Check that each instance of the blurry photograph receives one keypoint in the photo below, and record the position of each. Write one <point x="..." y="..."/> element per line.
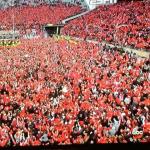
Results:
<point x="74" y="72"/>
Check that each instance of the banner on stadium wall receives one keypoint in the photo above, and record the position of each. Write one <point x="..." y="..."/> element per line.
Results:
<point x="8" y="35"/>
<point x="9" y="42"/>
<point x="67" y="38"/>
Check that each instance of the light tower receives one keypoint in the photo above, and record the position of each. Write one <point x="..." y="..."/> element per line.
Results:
<point x="13" y="20"/>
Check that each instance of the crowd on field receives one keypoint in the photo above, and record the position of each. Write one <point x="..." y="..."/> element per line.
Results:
<point x="60" y="92"/>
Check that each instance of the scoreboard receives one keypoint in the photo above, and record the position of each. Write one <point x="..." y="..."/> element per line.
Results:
<point x="102" y="2"/>
<point x="93" y="3"/>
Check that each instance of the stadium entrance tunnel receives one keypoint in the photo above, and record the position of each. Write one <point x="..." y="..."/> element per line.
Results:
<point x="50" y="29"/>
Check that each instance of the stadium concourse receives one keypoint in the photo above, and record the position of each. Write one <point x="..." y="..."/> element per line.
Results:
<point x="60" y="91"/>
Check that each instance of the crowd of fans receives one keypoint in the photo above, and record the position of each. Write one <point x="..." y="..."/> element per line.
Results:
<point x="62" y="92"/>
<point x="9" y="3"/>
<point x="27" y="18"/>
<point x="125" y="23"/>
<point x="58" y="91"/>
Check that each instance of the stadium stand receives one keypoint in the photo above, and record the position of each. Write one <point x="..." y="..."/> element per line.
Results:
<point x="124" y="23"/>
<point x="28" y="17"/>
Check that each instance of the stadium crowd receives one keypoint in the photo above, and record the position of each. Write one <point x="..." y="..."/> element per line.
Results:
<point x="125" y="23"/>
<point x="27" y="17"/>
<point x="9" y="3"/>
<point x="72" y="92"/>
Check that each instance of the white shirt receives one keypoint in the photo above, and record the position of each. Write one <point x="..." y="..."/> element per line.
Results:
<point x="127" y="100"/>
<point x="64" y="89"/>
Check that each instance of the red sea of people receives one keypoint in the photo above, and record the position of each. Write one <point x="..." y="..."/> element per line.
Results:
<point x="29" y="17"/>
<point x="54" y="91"/>
<point x="126" y="23"/>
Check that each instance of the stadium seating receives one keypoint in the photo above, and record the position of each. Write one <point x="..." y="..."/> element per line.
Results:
<point x="27" y="18"/>
<point x="124" y="24"/>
